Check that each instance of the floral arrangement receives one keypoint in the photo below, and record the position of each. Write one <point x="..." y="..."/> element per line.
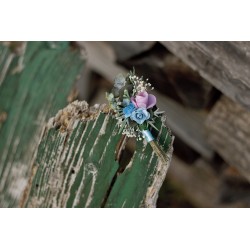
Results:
<point x="134" y="108"/>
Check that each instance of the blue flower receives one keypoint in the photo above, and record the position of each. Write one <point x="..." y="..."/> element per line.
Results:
<point x="127" y="111"/>
<point x="140" y="115"/>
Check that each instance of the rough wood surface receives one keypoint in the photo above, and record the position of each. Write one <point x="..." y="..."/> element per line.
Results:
<point x="205" y="187"/>
<point x="35" y="83"/>
<point x="77" y="163"/>
<point x="224" y="64"/>
<point x="188" y="124"/>
<point x="197" y="181"/>
<point x="173" y="77"/>
<point x="101" y="58"/>
<point x="128" y="49"/>
<point x="228" y="127"/>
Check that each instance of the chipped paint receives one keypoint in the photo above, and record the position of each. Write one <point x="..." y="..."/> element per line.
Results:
<point x="28" y="109"/>
<point x="91" y="168"/>
<point x="71" y="174"/>
<point x="158" y="178"/>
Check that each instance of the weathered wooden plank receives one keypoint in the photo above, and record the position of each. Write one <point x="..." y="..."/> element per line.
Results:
<point x="205" y="187"/>
<point x="128" y="49"/>
<point x="139" y="184"/>
<point x="77" y="163"/>
<point x="6" y="57"/>
<point x="197" y="181"/>
<point x="173" y="77"/>
<point x="101" y="59"/>
<point x="29" y="98"/>
<point x="224" y="64"/>
<point x="228" y="132"/>
<point x="188" y="124"/>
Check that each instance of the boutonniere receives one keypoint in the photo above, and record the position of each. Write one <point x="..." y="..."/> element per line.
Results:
<point x="135" y="109"/>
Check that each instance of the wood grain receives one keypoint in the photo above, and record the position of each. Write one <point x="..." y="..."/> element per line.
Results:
<point x="228" y="132"/>
<point x="186" y="123"/>
<point x="128" y="49"/>
<point x="32" y="90"/>
<point x="76" y="163"/>
<point x="224" y="64"/>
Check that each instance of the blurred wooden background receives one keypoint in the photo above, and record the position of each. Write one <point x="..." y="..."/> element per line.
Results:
<point x="204" y="88"/>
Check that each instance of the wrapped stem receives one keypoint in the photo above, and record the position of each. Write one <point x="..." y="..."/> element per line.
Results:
<point x="156" y="148"/>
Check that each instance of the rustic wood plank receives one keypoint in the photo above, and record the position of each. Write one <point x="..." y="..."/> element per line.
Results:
<point x="224" y="64"/>
<point x="77" y="163"/>
<point x="29" y="95"/>
<point x="173" y="77"/>
<point x="204" y="187"/>
<point x="228" y="132"/>
<point x="198" y="182"/>
<point x="128" y="49"/>
<point x="6" y="58"/>
<point x="188" y="124"/>
<point x="101" y="59"/>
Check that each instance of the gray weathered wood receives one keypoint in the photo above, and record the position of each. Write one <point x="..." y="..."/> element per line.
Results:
<point x="197" y="181"/>
<point x="101" y="59"/>
<point x="228" y="127"/>
<point x="128" y="49"/>
<point x="188" y="124"/>
<point x="224" y="64"/>
<point x="204" y="187"/>
<point x="173" y="77"/>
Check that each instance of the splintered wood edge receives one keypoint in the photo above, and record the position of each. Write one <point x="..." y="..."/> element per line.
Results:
<point x="162" y="169"/>
<point x="65" y="121"/>
<point x="77" y="110"/>
<point x="159" y="177"/>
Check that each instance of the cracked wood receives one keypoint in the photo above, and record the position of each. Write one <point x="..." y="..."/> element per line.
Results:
<point x="76" y="163"/>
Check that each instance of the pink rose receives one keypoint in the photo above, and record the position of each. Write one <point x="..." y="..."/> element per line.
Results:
<point x="144" y="100"/>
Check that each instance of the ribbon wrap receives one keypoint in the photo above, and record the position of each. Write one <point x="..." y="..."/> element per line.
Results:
<point x="148" y="136"/>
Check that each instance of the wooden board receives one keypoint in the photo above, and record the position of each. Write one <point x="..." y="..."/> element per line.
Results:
<point x="128" y="49"/>
<point x="197" y="181"/>
<point x="187" y="124"/>
<point x="224" y="64"/>
<point x="28" y="97"/>
<point x="101" y="59"/>
<point x="77" y="163"/>
<point x="228" y="127"/>
<point x="172" y="77"/>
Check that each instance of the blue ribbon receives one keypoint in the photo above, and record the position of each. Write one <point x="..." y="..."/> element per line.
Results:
<point x="148" y="136"/>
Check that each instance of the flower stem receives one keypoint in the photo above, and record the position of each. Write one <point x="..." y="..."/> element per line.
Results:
<point x="156" y="148"/>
